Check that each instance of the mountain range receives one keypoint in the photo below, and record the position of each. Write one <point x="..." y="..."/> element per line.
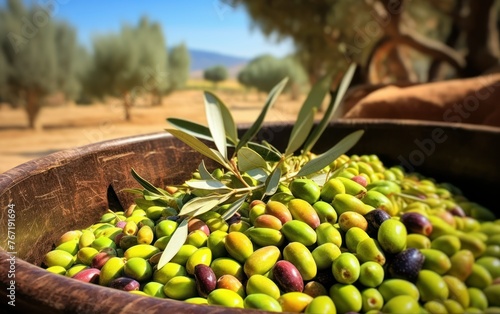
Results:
<point x="201" y="59"/>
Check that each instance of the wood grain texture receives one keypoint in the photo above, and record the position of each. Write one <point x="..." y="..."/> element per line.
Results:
<point x="72" y="189"/>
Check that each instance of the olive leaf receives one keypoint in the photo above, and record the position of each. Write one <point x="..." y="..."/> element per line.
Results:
<point x="214" y="185"/>
<point x="231" y="131"/>
<point x="148" y="186"/>
<point x="174" y="245"/>
<point x="258" y="174"/>
<point x="199" y="146"/>
<point x="305" y="118"/>
<point x="134" y="191"/>
<point x="248" y="159"/>
<point x="204" y="174"/>
<point x="323" y="160"/>
<point x="268" y="153"/>
<point x="191" y="128"/>
<point x="320" y="179"/>
<point x="200" y="205"/>
<point x="234" y="207"/>
<point x="271" y="99"/>
<point x="301" y="132"/>
<point x="216" y="123"/>
<point x="332" y="108"/>
<point x="206" y="208"/>
<point x="273" y="181"/>
<point x="143" y="203"/>
<point x="151" y="196"/>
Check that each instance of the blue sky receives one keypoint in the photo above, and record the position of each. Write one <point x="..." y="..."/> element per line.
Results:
<point x="202" y="24"/>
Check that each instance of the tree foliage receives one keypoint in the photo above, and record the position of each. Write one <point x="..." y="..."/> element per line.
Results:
<point x="215" y="74"/>
<point x="68" y="60"/>
<point x="38" y="54"/>
<point x="382" y="35"/>
<point x="178" y="66"/>
<point x="129" y="63"/>
<point x="264" y="72"/>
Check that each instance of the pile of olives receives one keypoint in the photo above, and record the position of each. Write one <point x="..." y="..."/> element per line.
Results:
<point x="371" y="239"/>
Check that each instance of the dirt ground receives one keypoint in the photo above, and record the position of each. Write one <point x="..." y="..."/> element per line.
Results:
<point x="72" y="126"/>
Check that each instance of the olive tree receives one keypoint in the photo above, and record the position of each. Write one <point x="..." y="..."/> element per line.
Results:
<point x="264" y="72"/>
<point x="215" y="74"/>
<point x="178" y="66"/>
<point x="128" y="64"/>
<point x="30" y="55"/>
<point x="376" y="33"/>
<point x="68" y="61"/>
<point x="39" y="57"/>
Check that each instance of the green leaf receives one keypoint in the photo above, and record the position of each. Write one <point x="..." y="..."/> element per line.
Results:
<point x="204" y="209"/>
<point x="204" y="174"/>
<point x="330" y="111"/>
<point x="268" y="153"/>
<point x="300" y="132"/>
<point x="150" y="196"/>
<point x="191" y="128"/>
<point x="148" y="186"/>
<point x="234" y="207"/>
<point x="174" y="245"/>
<point x="134" y="191"/>
<point x="216" y="123"/>
<point x="258" y="174"/>
<point x="320" y="178"/>
<point x="273" y="181"/>
<point x="199" y="146"/>
<point x="215" y="185"/>
<point x="248" y="159"/>
<point x="229" y="125"/>
<point x="323" y="160"/>
<point x="254" y="129"/>
<point x="144" y="204"/>
<point x="305" y="118"/>
<point x="201" y="204"/>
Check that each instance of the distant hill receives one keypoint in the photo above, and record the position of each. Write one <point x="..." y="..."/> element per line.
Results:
<point x="201" y="59"/>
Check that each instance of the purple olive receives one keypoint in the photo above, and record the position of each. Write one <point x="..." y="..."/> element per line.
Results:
<point x="325" y="277"/>
<point x="102" y="257"/>
<point x="118" y="238"/>
<point x="287" y="277"/>
<point x="90" y="275"/>
<point x="125" y="284"/>
<point x="375" y="218"/>
<point x="406" y="264"/>
<point x="234" y="218"/>
<point x="120" y="224"/>
<point x="206" y="281"/>
<point x="416" y="223"/>
<point x="458" y="211"/>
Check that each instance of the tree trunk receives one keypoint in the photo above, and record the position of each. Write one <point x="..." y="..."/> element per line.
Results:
<point x="32" y="108"/>
<point x="399" y="68"/>
<point x="156" y="97"/>
<point x="127" y="105"/>
<point x="396" y="34"/>
<point x="436" y="69"/>
<point x="375" y="59"/>
<point x="482" y="37"/>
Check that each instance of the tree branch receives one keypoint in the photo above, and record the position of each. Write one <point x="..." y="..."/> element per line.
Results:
<point x="432" y="48"/>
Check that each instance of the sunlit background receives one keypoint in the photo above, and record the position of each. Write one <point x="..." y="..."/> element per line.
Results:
<point x="74" y="72"/>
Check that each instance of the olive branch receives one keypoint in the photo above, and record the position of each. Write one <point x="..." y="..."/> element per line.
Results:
<point x="252" y="169"/>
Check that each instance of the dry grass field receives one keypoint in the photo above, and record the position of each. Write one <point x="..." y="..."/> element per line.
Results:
<point x="69" y="126"/>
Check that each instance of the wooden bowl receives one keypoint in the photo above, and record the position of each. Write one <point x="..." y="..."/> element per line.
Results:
<point x="71" y="189"/>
